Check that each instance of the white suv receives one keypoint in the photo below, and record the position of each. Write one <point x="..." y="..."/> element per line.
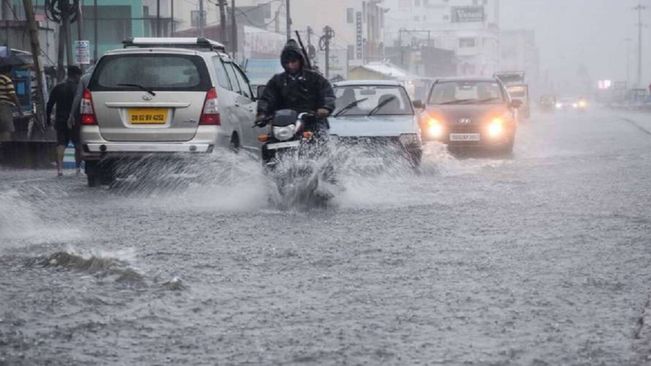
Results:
<point x="162" y="95"/>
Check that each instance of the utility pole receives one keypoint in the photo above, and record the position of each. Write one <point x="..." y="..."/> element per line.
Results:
<point x="172" y="18"/>
<point x="158" y="18"/>
<point x="324" y="45"/>
<point x="628" y="62"/>
<point x="233" y="29"/>
<point x="289" y="20"/>
<point x="402" y="52"/>
<point x="640" y="25"/>
<point x="63" y="12"/>
<point x="201" y="18"/>
<point x="222" y="21"/>
<point x="80" y="28"/>
<point x="95" y="31"/>
<point x="5" y="17"/>
<point x="36" y="51"/>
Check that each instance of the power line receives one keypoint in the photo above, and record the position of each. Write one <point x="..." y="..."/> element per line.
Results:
<point x="265" y="25"/>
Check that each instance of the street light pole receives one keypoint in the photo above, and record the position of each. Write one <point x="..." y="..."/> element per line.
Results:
<point x="158" y="18"/>
<point x="201" y="18"/>
<point x="95" y="30"/>
<point x="289" y="20"/>
<point x="233" y="29"/>
<point x="628" y="61"/>
<point x="639" y="9"/>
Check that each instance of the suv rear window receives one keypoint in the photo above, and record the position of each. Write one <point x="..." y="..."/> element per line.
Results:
<point x="153" y="71"/>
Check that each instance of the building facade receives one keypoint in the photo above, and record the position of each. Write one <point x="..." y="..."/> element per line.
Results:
<point x="470" y="28"/>
<point x="519" y="52"/>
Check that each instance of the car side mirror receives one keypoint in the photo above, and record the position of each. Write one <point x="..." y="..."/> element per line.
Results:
<point x="516" y="104"/>
<point x="418" y="104"/>
<point x="259" y="91"/>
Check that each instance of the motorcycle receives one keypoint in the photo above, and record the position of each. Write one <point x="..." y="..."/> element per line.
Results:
<point x="296" y="159"/>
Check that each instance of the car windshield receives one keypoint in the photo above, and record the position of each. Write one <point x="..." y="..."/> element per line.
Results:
<point x="381" y="100"/>
<point x="466" y="92"/>
<point x="517" y="91"/>
<point x="151" y="71"/>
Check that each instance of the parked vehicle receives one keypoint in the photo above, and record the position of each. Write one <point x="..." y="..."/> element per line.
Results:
<point x="376" y="115"/>
<point x="471" y="113"/>
<point x="547" y="103"/>
<point x="515" y="84"/>
<point x="161" y="96"/>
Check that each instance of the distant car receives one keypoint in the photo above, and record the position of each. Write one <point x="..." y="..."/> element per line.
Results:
<point x="547" y="103"/>
<point x="572" y="104"/>
<point x="470" y="113"/>
<point x="374" y="115"/>
<point x="159" y="96"/>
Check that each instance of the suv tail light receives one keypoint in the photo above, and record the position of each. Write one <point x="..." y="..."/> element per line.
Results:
<point x="86" y="109"/>
<point x="210" y="112"/>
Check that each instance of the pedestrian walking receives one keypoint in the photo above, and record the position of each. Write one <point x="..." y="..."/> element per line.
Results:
<point x="8" y="101"/>
<point x="63" y="96"/>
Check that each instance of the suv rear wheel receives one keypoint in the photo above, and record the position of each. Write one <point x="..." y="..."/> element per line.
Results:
<point x="100" y="172"/>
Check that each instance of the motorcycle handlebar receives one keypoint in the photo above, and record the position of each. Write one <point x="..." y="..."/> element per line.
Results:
<point x="301" y="116"/>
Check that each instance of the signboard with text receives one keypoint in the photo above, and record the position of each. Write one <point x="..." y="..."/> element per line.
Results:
<point x="82" y="52"/>
<point x="468" y="14"/>
<point x="359" y="36"/>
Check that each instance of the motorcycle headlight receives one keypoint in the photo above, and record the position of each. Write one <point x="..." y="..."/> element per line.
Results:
<point x="284" y="133"/>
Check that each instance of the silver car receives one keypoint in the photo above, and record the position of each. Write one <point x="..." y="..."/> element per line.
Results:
<point x="378" y="116"/>
<point x="162" y="96"/>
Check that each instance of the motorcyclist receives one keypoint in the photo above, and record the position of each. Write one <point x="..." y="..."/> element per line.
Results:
<point x="297" y="88"/>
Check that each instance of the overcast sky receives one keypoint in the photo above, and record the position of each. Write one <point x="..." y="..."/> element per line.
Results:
<point x="571" y="32"/>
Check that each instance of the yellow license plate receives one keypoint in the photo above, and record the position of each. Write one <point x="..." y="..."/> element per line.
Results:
<point x="148" y="116"/>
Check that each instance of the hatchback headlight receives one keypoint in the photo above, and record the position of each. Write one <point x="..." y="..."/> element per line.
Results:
<point x="434" y="128"/>
<point x="284" y="133"/>
<point x="496" y="127"/>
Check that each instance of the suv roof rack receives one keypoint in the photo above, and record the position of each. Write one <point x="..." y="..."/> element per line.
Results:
<point x="175" y="42"/>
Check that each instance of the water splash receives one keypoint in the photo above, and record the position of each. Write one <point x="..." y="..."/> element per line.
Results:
<point x="117" y="264"/>
<point x="221" y="181"/>
<point x="21" y="221"/>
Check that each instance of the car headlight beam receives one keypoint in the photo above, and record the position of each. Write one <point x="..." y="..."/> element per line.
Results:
<point x="434" y="128"/>
<point x="496" y="128"/>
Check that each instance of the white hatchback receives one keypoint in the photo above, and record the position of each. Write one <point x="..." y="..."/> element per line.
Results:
<point x="376" y="115"/>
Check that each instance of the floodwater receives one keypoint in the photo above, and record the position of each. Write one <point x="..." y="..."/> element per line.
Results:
<point x="538" y="259"/>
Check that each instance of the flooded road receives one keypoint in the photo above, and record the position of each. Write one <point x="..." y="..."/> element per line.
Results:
<point x="540" y="259"/>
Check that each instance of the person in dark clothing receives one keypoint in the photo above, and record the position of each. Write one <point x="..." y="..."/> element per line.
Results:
<point x="63" y="96"/>
<point x="297" y="88"/>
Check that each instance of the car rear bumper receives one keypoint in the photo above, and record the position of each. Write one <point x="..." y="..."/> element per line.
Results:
<point x="95" y="147"/>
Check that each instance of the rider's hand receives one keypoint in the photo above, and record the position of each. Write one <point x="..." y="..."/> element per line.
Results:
<point x="322" y="113"/>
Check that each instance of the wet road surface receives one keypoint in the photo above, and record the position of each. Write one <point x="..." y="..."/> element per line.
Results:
<point x="540" y="259"/>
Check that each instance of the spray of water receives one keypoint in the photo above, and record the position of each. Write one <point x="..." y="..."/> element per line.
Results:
<point x="220" y="181"/>
<point x="20" y="222"/>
